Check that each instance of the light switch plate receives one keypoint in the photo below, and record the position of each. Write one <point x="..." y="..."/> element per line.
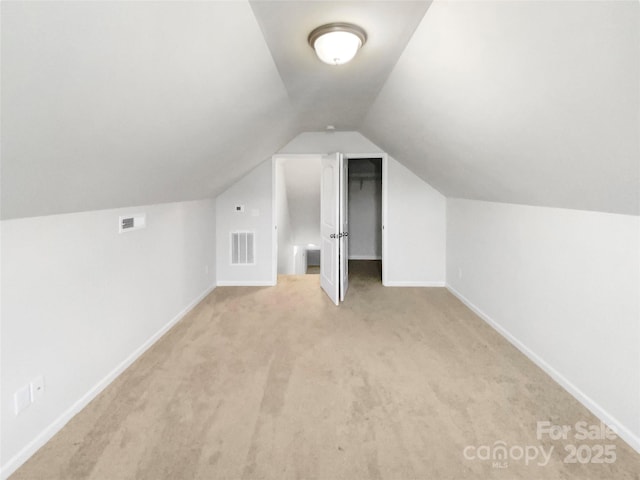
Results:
<point x="22" y="399"/>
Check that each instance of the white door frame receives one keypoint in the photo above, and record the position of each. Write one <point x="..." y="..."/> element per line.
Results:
<point x="385" y="171"/>
<point x="343" y="222"/>
<point x="274" y="222"/>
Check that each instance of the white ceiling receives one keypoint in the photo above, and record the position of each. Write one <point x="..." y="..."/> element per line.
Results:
<point x="520" y="102"/>
<point x="109" y="104"/>
<point x="342" y="95"/>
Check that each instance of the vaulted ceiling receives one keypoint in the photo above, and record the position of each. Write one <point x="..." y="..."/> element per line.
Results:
<point x="339" y="96"/>
<point x="521" y="102"/>
<point x="109" y="104"/>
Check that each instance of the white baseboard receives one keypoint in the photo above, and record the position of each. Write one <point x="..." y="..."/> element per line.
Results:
<point x="413" y="284"/>
<point x="32" y="447"/>
<point x="245" y="283"/>
<point x="623" y="432"/>
<point x="365" y="257"/>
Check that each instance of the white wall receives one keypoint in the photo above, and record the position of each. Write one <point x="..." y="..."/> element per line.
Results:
<point x="365" y="210"/>
<point x="283" y="222"/>
<point x="255" y="192"/>
<point x="330" y="142"/>
<point x="564" y="286"/>
<point x="80" y="301"/>
<point x="302" y="176"/>
<point x="415" y="250"/>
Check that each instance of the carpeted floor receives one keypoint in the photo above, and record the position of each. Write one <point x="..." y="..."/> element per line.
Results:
<point x="277" y="383"/>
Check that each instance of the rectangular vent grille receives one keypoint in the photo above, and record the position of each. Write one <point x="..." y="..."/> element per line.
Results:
<point x="129" y="223"/>
<point x="243" y="248"/>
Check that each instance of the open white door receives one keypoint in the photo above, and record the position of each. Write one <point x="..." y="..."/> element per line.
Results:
<point x="344" y="227"/>
<point x="330" y="226"/>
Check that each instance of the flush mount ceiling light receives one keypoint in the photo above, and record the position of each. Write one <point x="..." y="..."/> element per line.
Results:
<point x="337" y="43"/>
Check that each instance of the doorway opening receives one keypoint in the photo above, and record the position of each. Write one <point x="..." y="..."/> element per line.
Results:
<point x="313" y="261"/>
<point x="329" y="215"/>
<point x="297" y="214"/>
<point x="336" y="222"/>
<point x="365" y="219"/>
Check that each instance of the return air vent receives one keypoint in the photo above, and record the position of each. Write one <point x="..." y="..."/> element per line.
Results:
<point x="132" y="222"/>
<point x="128" y="223"/>
<point x="243" y="248"/>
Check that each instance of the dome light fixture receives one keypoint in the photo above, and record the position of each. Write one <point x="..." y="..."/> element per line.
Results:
<point x="337" y="43"/>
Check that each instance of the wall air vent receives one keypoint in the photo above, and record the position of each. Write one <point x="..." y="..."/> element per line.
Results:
<point x="243" y="248"/>
<point x="128" y="223"/>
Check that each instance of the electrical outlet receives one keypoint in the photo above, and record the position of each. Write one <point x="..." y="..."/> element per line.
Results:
<point x="206" y="269"/>
<point x="22" y="399"/>
<point x="37" y="388"/>
<point x="460" y="272"/>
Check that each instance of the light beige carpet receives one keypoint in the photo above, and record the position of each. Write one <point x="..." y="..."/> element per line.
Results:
<point x="278" y="383"/>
